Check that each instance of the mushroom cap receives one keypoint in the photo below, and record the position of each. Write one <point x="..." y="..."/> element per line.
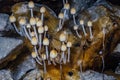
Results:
<point x="37" y="19"/>
<point x="34" y="41"/>
<point x="41" y="30"/>
<point x="61" y="15"/>
<point x="75" y="27"/>
<point x="39" y="23"/>
<point x="46" y="28"/>
<point x="22" y="21"/>
<point x="73" y="11"/>
<point x="43" y="56"/>
<point x="42" y="9"/>
<point x="69" y="44"/>
<point x="32" y="21"/>
<point x="89" y="23"/>
<point x="53" y="53"/>
<point x="12" y="19"/>
<point x="28" y="26"/>
<point x="67" y="6"/>
<point x="31" y="4"/>
<point x="62" y="37"/>
<point x="63" y="47"/>
<point x="45" y="41"/>
<point x="33" y="54"/>
<point x="81" y="22"/>
<point x="32" y="34"/>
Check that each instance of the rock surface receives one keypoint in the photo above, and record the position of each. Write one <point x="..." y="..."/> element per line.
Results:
<point x="8" y="49"/>
<point x="92" y="75"/>
<point x="5" y="75"/>
<point x="26" y="66"/>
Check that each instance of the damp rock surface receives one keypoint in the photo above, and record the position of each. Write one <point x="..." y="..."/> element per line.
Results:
<point x="92" y="75"/>
<point x="26" y="66"/>
<point x="5" y="75"/>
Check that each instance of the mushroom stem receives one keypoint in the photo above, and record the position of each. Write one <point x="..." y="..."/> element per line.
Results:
<point x="40" y="41"/>
<point x="74" y="19"/>
<point x="44" y="66"/>
<point x="46" y="48"/>
<point x="84" y="30"/>
<point x="42" y="17"/>
<point x="103" y="38"/>
<point x="45" y="34"/>
<point x="60" y="71"/>
<point x="34" y="27"/>
<point x="91" y="35"/>
<point x="68" y="54"/>
<point x="29" y="31"/>
<point x="78" y="34"/>
<point x="37" y="53"/>
<point x="31" y="12"/>
<point x="64" y="59"/>
<point x="103" y="63"/>
<point x="81" y="70"/>
<point x="60" y="24"/>
<point x="26" y="32"/>
<point x="38" y="61"/>
<point x="53" y="61"/>
<point x="16" y="29"/>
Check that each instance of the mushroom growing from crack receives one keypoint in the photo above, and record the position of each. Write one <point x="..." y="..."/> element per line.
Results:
<point x="33" y="23"/>
<point x="53" y="55"/>
<point x="82" y="24"/>
<point x="12" y="19"/>
<point x="76" y="30"/>
<point x="44" y="58"/>
<point x="69" y="45"/>
<point x="40" y="31"/>
<point x="42" y="11"/>
<point x="31" y="5"/>
<point x="89" y="24"/>
<point x="61" y="22"/>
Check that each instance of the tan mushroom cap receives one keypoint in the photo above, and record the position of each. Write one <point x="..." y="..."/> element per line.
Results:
<point x="32" y="21"/>
<point x="22" y="21"/>
<point x="67" y="6"/>
<point x="45" y="41"/>
<point x="63" y="47"/>
<point x="89" y="23"/>
<point x="39" y="23"/>
<point x="43" y="56"/>
<point x="69" y="44"/>
<point x="61" y="15"/>
<point x="81" y="22"/>
<point x="33" y="54"/>
<point x="42" y="9"/>
<point x="46" y="28"/>
<point x="73" y="11"/>
<point x="62" y="37"/>
<point x="12" y="19"/>
<point x="41" y="30"/>
<point x="53" y="53"/>
<point x="34" y="41"/>
<point x="31" y="4"/>
<point x="75" y="27"/>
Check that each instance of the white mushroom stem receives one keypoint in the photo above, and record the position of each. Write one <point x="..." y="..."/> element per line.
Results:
<point x="53" y="61"/>
<point x="78" y="34"/>
<point x="45" y="70"/>
<point x="103" y="63"/>
<point x="40" y="41"/>
<point x="91" y="34"/>
<point x="84" y="30"/>
<point x="26" y="32"/>
<point x="62" y="56"/>
<point x="80" y="63"/>
<point x="60" y="24"/>
<point x="42" y="17"/>
<point x="42" y="10"/>
<point x="61" y="21"/>
<point x="46" y="48"/>
<point x="31" y="12"/>
<point x="74" y="19"/>
<point x="38" y="61"/>
<point x="68" y="54"/>
<point x="65" y="59"/>
<point x="103" y="37"/>
<point x="14" y="25"/>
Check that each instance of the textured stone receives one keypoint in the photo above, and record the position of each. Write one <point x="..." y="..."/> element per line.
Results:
<point x="5" y="75"/>
<point x="23" y="68"/>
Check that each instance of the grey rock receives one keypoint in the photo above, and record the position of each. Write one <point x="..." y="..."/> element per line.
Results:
<point x="117" y="49"/>
<point x="5" y="25"/>
<point x="33" y="75"/>
<point x="22" y="69"/>
<point x="92" y="75"/>
<point x="8" y="49"/>
<point x="117" y="71"/>
<point x="5" y="75"/>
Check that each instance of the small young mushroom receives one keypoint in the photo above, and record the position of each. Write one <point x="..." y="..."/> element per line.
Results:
<point x="63" y="49"/>
<point x="34" y="42"/>
<point x="44" y="58"/>
<point x="53" y="55"/>
<point x="46" y="44"/>
<point x="33" y="23"/>
<point x="73" y="12"/>
<point x="61" y="17"/>
<point x="69" y="45"/>
<point x="46" y="29"/>
<point x="40" y="31"/>
<point x="90" y="29"/>
<point x="42" y="11"/>
<point x="103" y="62"/>
<point x="28" y="27"/>
<point x="82" y="24"/>
<point x="32" y="34"/>
<point x="34" y="55"/>
<point x="12" y="19"/>
<point x="31" y="5"/>
<point x="76" y="30"/>
<point x="62" y="37"/>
